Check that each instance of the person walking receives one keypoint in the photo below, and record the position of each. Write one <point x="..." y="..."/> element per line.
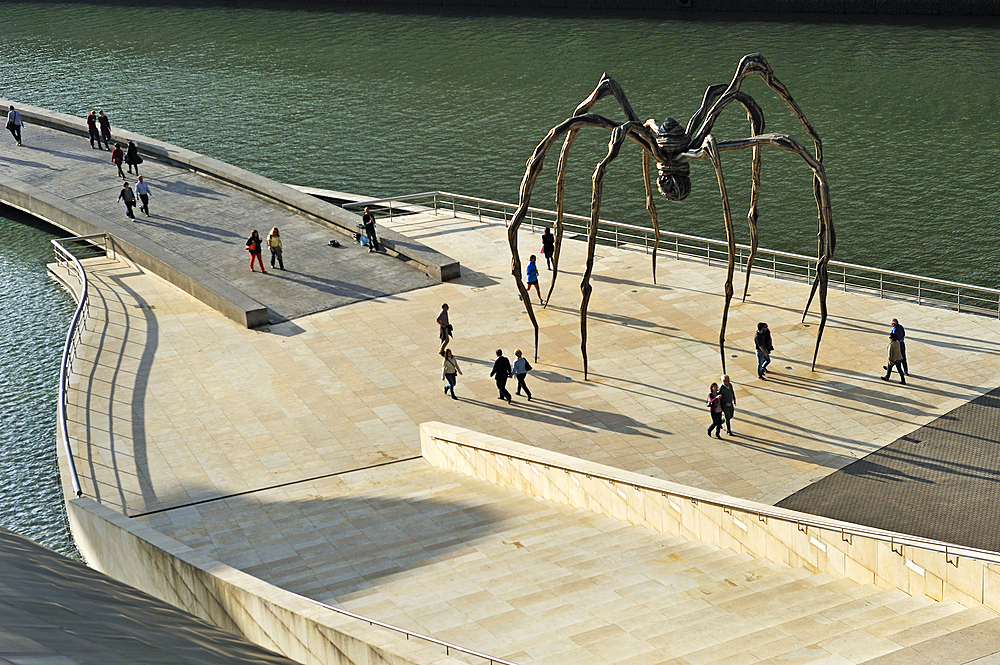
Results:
<point x="14" y="124"/>
<point x="368" y="219"/>
<point x="521" y="369"/>
<point x="531" y="272"/>
<point x="444" y="328"/>
<point x="142" y="191"/>
<point x="95" y="135"/>
<point x="762" y="343"/>
<point x="895" y="357"/>
<point x="501" y="372"/>
<point x="548" y="247"/>
<point x="727" y="393"/>
<point x="132" y="157"/>
<point x="128" y="198"/>
<point x="253" y="246"/>
<point x="449" y="372"/>
<point x="117" y="157"/>
<point x="715" y="408"/>
<point x="105" y="124"/>
<point x="274" y="244"/>
<point x="901" y="338"/>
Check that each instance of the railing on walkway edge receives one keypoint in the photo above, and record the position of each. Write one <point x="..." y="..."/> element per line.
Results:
<point x="846" y="276"/>
<point x="803" y="521"/>
<point x="448" y="646"/>
<point x="66" y="259"/>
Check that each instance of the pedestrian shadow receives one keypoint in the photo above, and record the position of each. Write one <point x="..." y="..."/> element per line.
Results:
<point x="587" y="420"/>
<point x="182" y="188"/>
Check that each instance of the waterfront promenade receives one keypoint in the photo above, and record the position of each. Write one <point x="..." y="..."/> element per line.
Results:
<point x="290" y="452"/>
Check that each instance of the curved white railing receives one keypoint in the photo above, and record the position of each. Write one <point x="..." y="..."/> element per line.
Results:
<point x="847" y="276"/>
<point x="66" y="260"/>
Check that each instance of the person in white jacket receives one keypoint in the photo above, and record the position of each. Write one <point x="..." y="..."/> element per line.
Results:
<point x="449" y="372"/>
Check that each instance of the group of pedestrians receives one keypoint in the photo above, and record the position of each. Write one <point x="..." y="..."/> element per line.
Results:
<point x="502" y="370"/>
<point x="254" y="244"/>
<point x="99" y="128"/>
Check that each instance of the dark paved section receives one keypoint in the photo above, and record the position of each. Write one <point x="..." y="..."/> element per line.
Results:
<point x="941" y="481"/>
<point x="206" y="222"/>
<point x="56" y="611"/>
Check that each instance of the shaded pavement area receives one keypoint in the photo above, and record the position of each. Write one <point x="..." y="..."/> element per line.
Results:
<point x="54" y="611"/>
<point x="938" y="482"/>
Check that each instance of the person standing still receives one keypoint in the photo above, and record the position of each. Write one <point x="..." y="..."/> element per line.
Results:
<point x="132" y="157"/>
<point x="444" y="328"/>
<point x="253" y="246"/>
<point x="128" y="198"/>
<point x="117" y="156"/>
<point x="142" y="191"/>
<point x="501" y="372"/>
<point x="14" y="124"/>
<point x="368" y="219"/>
<point x="521" y="369"/>
<point x="531" y="272"/>
<point x="715" y="409"/>
<point x="105" y="124"/>
<point x="895" y="358"/>
<point x="901" y="338"/>
<point x="274" y="244"/>
<point x="762" y="343"/>
<point x="548" y="247"/>
<point x="449" y="372"/>
<point x="727" y="393"/>
<point x="95" y="135"/>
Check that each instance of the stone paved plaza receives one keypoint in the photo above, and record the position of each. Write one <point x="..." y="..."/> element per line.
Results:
<point x="292" y="451"/>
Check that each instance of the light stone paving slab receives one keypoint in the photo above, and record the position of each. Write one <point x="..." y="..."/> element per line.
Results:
<point x="175" y="405"/>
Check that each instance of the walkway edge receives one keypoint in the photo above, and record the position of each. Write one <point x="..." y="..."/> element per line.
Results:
<point x="436" y="265"/>
<point x="168" y="265"/>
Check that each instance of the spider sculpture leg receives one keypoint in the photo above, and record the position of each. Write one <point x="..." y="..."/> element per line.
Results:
<point x="754" y="64"/>
<point x="532" y="168"/>
<point x="606" y="86"/>
<point x="711" y="150"/>
<point x="642" y="135"/>
<point x="651" y="208"/>
<point x="827" y="235"/>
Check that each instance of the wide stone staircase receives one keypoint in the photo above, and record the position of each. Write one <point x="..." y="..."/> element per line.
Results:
<point x="534" y="582"/>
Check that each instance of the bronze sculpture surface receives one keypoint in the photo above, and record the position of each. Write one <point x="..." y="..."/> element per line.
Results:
<point x="673" y="147"/>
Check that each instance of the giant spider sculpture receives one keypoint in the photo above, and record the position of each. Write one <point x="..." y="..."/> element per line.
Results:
<point x="673" y="147"/>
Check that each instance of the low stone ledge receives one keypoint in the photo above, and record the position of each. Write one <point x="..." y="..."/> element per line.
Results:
<point x="433" y="263"/>
<point x="244" y="605"/>
<point x="172" y="267"/>
<point x="824" y="546"/>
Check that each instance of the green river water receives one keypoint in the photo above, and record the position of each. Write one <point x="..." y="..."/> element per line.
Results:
<point x="392" y="103"/>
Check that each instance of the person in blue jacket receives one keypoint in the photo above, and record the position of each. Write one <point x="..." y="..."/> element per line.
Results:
<point x="531" y="272"/>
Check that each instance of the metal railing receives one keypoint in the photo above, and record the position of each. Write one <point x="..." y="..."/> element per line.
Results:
<point x="803" y="521"/>
<point x="448" y="646"/>
<point x="66" y="259"/>
<point x="845" y="276"/>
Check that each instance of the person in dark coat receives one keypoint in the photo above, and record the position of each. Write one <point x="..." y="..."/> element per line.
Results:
<point x="368" y="219"/>
<point x="105" y="124"/>
<point x="715" y="409"/>
<point x="727" y="397"/>
<point x="95" y="134"/>
<point x="501" y="372"/>
<point x="548" y="247"/>
<point x="132" y="157"/>
<point x="117" y="157"/>
<point x="127" y="196"/>
<point x="253" y="246"/>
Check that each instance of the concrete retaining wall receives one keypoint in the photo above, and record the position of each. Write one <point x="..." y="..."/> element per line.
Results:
<point x="887" y="560"/>
<point x="233" y="600"/>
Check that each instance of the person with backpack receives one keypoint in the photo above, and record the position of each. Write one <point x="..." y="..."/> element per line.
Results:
<point x="521" y="369"/>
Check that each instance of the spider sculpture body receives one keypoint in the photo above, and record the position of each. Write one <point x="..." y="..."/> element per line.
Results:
<point x="673" y="147"/>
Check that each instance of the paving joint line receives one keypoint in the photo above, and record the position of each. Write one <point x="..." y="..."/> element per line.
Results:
<point x="272" y="487"/>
